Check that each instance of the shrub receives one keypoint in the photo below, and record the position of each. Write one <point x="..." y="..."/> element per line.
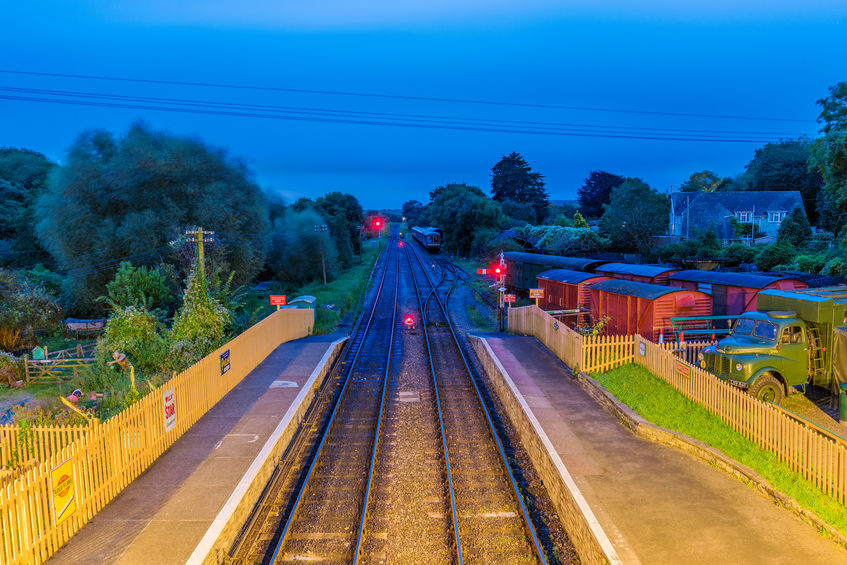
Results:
<point x="135" y="331"/>
<point x="138" y="286"/>
<point x="836" y="267"/>
<point x="810" y="263"/>
<point x="773" y="255"/>
<point x="200" y="324"/>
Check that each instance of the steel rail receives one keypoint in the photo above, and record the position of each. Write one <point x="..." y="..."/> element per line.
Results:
<point x="423" y="304"/>
<point x="363" y="518"/>
<point x="309" y="474"/>
<point x="503" y="458"/>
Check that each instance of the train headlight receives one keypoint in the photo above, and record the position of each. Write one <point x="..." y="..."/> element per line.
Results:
<point x="738" y="367"/>
<point x="700" y="356"/>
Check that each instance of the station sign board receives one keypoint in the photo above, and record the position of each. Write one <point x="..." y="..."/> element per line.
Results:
<point x="536" y="293"/>
<point x="225" y="362"/>
<point x="62" y="494"/>
<point x="277" y="300"/>
<point x="509" y="298"/>
<point x="169" y="406"/>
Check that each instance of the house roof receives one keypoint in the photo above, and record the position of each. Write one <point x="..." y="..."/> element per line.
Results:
<point x="706" y="209"/>
<point x="640" y="270"/>
<point x="727" y="279"/>
<point x="566" y="276"/>
<point x="572" y="263"/>
<point x="632" y="288"/>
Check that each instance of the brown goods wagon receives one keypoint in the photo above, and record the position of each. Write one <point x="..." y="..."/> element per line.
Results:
<point x="650" y="274"/>
<point x="567" y="290"/>
<point x="732" y="293"/>
<point x="646" y="309"/>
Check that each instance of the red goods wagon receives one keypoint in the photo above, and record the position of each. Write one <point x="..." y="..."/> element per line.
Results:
<point x="650" y="274"/>
<point x="567" y="290"/>
<point x="732" y="293"/>
<point x="635" y="307"/>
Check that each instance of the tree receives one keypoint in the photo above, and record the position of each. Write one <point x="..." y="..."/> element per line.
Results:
<point x="579" y="220"/>
<point x="295" y="251"/>
<point x="521" y="211"/>
<point x="513" y="179"/>
<point x="784" y="166"/>
<point x="130" y="196"/>
<point x="413" y="211"/>
<point x="23" y="177"/>
<point x="25" y="307"/>
<point x="635" y="214"/>
<point x="775" y="255"/>
<point x="563" y="240"/>
<point x="596" y="191"/>
<point x="795" y="229"/>
<point x="462" y="211"/>
<point x="829" y="157"/>
<point x="343" y="215"/>
<point x="704" y="181"/>
<point x="138" y="286"/>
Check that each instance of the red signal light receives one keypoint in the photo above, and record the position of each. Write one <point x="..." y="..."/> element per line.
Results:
<point x="377" y="223"/>
<point x="499" y="270"/>
<point x="401" y="244"/>
<point x="409" y="320"/>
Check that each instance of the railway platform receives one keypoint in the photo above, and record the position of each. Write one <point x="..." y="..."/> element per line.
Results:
<point x="656" y="504"/>
<point x="163" y="515"/>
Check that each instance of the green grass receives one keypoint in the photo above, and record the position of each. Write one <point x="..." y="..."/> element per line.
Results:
<point x="345" y="292"/>
<point x="662" y="405"/>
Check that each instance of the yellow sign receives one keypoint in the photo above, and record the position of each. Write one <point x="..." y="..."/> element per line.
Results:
<point x="62" y="493"/>
<point x="536" y="293"/>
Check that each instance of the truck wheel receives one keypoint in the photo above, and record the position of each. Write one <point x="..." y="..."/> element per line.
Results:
<point x="767" y="388"/>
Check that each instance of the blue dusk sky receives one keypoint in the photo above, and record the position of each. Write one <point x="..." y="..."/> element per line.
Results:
<point x="387" y="100"/>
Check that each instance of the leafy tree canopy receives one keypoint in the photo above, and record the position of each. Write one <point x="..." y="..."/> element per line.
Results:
<point x="562" y="240"/>
<point x="635" y="214"/>
<point x="705" y="181"/>
<point x="579" y="220"/>
<point x="784" y="166"/>
<point x="795" y="229"/>
<point x="23" y="177"/>
<point x="414" y="213"/>
<point x="24" y="308"/>
<point x="138" y="286"/>
<point x="597" y="191"/>
<point x="129" y="196"/>
<point x="523" y="212"/>
<point x="343" y="215"/>
<point x="295" y="250"/>
<point x="513" y="179"/>
<point x="775" y="255"/>
<point x="829" y="157"/>
<point x="461" y="211"/>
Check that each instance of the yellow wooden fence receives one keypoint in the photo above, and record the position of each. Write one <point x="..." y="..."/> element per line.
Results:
<point x="110" y="455"/>
<point x="39" y="442"/>
<point x="819" y="456"/>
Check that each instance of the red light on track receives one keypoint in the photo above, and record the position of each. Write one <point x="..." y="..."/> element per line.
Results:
<point x="409" y="321"/>
<point x="401" y="244"/>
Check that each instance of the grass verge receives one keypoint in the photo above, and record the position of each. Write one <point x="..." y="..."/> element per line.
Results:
<point x="661" y="404"/>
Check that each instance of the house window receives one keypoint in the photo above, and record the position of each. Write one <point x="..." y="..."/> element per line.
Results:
<point x="744" y="216"/>
<point x="776" y="217"/>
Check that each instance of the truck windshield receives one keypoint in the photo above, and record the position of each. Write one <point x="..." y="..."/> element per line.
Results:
<point x="743" y="326"/>
<point x="765" y="330"/>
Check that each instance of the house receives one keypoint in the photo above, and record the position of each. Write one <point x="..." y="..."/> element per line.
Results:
<point x="759" y="211"/>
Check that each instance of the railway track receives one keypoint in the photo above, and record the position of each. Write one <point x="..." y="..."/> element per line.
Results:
<point x="398" y="460"/>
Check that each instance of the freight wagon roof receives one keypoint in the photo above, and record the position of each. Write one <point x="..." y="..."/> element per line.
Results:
<point x="572" y="263"/>
<point x="727" y="279"/>
<point x="566" y="276"/>
<point x="639" y="270"/>
<point x="637" y="289"/>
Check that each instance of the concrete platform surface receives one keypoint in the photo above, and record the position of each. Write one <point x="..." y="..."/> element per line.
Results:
<point x="162" y="515"/>
<point x="657" y="505"/>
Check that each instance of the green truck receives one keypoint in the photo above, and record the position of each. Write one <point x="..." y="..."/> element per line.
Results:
<point x="793" y="339"/>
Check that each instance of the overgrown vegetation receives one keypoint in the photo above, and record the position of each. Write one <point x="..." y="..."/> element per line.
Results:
<point x="662" y="405"/>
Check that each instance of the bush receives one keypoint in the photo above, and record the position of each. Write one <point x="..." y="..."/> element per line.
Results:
<point x="25" y="307"/>
<point x="199" y="326"/>
<point x="773" y="255"/>
<point x="810" y="263"/>
<point x="738" y="253"/>
<point x="835" y="267"/>
<point x="138" y="286"/>
<point x="9" y="362"/>
<point x="135" y="331"/>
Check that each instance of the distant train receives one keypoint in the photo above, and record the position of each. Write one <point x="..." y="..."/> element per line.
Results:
<point x="428" y="237"/>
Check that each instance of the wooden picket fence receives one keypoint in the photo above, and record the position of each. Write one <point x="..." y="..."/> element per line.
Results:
<point x="40" y="442"/>
<point x="687" y="350"/>
<point x="817" y="455"/>
<point x="110" y="455"/>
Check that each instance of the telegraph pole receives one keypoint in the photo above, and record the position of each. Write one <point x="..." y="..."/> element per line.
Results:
<point x="200" y="236"/>
<point x="318" y="229"/>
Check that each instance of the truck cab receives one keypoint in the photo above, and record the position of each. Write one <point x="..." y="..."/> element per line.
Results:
<point x="770" y="351"/>
<point x="765" y="353"/>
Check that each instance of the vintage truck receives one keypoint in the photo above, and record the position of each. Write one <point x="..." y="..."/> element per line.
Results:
<point x="793" y="339"/>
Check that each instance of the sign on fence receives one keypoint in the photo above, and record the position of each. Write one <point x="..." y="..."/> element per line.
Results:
<point x="225" y="361"/>
<point x="62" y="493"/>
<point x="642" y="349"/>
<point x="508" y="298"/>
<point x="169" y="403"/>
<point x="683" y="369"/>
<point x="277" y="299"/>
<point x="536" y="293"/>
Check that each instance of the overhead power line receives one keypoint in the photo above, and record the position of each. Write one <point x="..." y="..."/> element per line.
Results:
<point x="415" y="123"/>
<point x="403" y="97"/>
<point x="297" y="110"/>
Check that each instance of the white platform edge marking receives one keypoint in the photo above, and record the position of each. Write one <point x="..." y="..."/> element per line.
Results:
<point x="216" y="528"/>
<point x="593" y="524"/>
